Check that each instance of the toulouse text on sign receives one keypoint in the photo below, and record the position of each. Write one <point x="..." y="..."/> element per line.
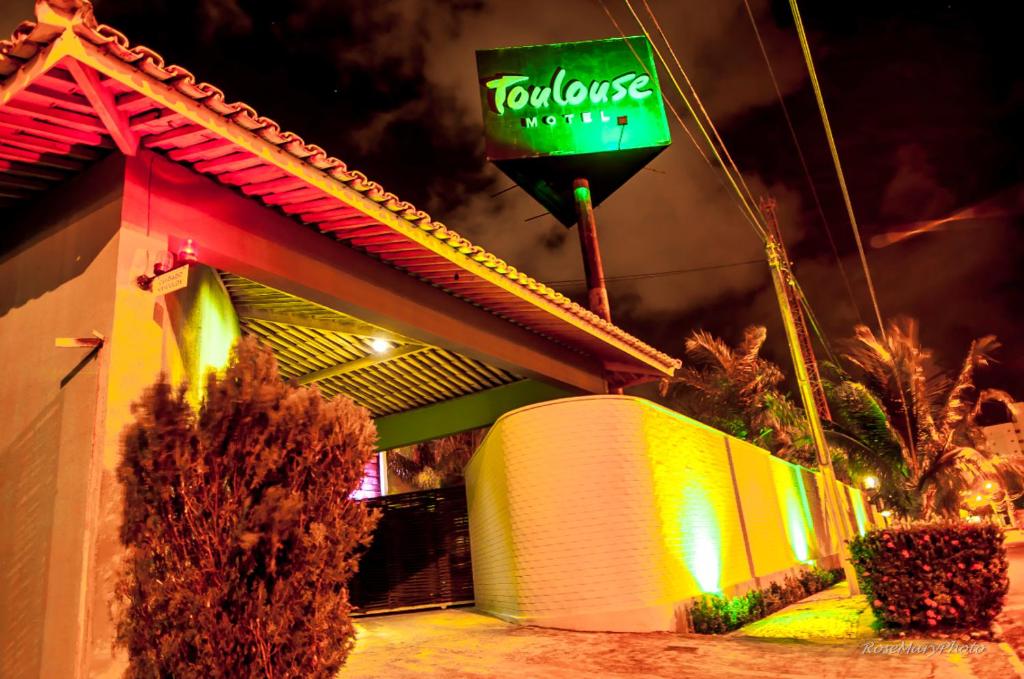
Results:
<point x="555" y="113"/>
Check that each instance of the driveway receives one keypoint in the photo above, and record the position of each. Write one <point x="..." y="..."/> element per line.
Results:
<point x="459" y="643"/>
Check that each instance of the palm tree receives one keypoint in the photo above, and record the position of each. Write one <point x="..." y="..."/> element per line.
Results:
<point x="918" y="423"/>
<point x="860" y="429"/>
<point x="438" y="463"/>
<point x="737" y="391"/>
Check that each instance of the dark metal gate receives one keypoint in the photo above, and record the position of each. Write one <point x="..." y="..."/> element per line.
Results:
<point x="419" y="556"/>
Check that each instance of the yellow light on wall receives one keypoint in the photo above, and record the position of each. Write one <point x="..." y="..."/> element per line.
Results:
<point x="206" y="328"/>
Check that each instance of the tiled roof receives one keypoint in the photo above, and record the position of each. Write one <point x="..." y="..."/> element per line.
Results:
<point x="183" y="140"/>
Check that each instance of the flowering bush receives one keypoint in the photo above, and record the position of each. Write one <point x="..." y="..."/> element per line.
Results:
<point x="938" y="576"/>
<point x="716" y="614"/>
<point x="240" y="533"/>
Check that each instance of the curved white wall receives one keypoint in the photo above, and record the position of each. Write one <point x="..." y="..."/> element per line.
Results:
<point x="610" y="512"/>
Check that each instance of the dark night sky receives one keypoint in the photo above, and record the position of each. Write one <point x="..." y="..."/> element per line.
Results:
<point x="926" y="101"/>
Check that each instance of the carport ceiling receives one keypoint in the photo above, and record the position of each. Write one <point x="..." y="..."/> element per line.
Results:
<point x="317" y="345"/>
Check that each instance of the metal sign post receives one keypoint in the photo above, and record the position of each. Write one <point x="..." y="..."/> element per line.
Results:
<point x="597" y="293"/>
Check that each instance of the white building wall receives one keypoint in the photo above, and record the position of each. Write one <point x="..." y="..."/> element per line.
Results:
<point x="610" y="513"/>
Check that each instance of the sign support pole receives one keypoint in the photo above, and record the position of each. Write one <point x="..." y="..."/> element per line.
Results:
<point x="597" y="294"/>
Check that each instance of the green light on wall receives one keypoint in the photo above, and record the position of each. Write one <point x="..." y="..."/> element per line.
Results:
<point x="218" y="331"/>
<point x="858" y="511"/>
<point x="805" y="506"/>
<point x="702" y="540"/>
<point x="789" y="487"/>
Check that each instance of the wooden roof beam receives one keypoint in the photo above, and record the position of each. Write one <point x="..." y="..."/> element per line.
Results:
<point x="344" y="326"/>
<point x="42" y="62"/>
<point x="56" y="115"/>
<point x="44" y="95"/>
<point x="360" y="363"/>
<point x="44" y="145"/>
<point x="14" y="182"/>
<point x="29" y="170"/>
<point x="106" y="109"/>
<point x="179" y="136"/>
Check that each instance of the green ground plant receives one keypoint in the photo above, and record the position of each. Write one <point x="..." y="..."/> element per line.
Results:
<point x="717" y="614"/>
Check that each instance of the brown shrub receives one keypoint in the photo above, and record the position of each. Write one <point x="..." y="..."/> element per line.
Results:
<point x="240" y="533"/>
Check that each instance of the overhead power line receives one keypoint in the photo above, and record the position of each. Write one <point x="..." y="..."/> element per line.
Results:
<point x="815" y="326"/>
<point x="803" y="161"/>
<point x="849" y="206"/>
<point x="660" y="274"/>
<point x="755" y="218"/>
<point x="746" y="209"/>
<point x="696" y="98"/>
<point x="740" y="189"/>
<point x="668" y="102"/>
<point x="746" y="197"/>
<point x="838" y="165"/>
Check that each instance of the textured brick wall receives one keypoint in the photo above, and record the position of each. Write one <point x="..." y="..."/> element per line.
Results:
<point x="57" y="273"/>
<point x="610" y="512"/>
<point x="764" y="505"/>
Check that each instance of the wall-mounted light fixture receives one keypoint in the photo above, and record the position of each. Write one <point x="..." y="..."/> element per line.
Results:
<point x="167" y="261"/>
<point x="187" y="254"/>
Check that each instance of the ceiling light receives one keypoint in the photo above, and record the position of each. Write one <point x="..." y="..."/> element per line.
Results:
<point x="379" y="345"/>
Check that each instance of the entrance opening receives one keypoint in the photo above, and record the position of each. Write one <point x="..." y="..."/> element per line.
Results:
<point x="420" y="555"/>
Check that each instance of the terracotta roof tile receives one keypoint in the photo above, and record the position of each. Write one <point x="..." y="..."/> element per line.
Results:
<point x="23" y="46"/>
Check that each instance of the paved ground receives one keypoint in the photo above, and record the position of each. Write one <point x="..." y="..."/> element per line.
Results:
<point x="831" y="615"/>
<point x="460" y="643"/>
<point x="1012" y="618"/>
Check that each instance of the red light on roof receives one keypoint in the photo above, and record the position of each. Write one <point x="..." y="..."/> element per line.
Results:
<point x="187" y="254"/>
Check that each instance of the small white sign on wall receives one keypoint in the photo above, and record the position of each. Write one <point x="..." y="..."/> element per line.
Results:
<point x="169" y="282"/>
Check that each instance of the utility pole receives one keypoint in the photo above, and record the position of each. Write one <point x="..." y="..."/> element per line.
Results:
<point x="796" y="308"/>
<point x="812" y="394"/>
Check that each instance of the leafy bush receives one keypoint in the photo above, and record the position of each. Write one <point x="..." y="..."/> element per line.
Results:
<point x="239" y="529"/>
<point x="938" y="576"/>
<point x="716" y="614"/>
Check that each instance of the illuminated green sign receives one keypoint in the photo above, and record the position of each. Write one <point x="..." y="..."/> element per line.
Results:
<point x="519" y="95"/>
<point x="554" y="113"/>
